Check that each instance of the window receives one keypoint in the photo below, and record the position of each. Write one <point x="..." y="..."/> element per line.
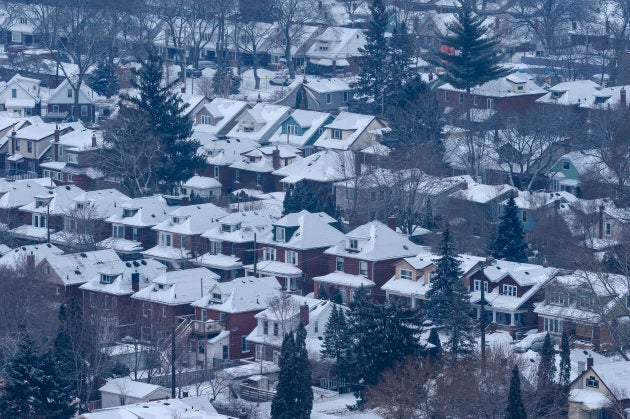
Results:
<point x="270" y="253"/>
<point x="69" y="92"/>
<point x="328" y="98"/>
<point x="477" y="285"/>
<point x="557" y="298"/>
<point x="216" y="247"/>
<point x="519" y="88"/>
<point x="406" y="274"/>
<point x="460" y="98"/>
<point x="276" y="357"/>
<point x="447" y="95"/>
<point x="146" y="309"/>
<point x="476" y="100"/>
<point x="118" y="231"/>
<point x="17" y="145"/>
<point x="216" y="296"/>
<point x="353" y="244"/>
<point x="70" y="178"/>
<point x="608" y="229"/>
<point x="55" y="108"/>
<point x="339" y="264"/>
<point x="490" y="103"/>
<point x="206" y="120"/>
<point x="60" y="150"/>
<point x="363" y="268"/>
<point x="166" y="239"/>
<point x="316" y="327"/>
<point x="164" y="311"/>
<point x="216" y="172"/>
<point x="291" y="257"/>
<point x="552" y="325"/>
<point x="237" y="176"/>
<point x="16" y="36"/>
<point x="182" y="242"/>
<point x="275" y="328"/>
<point x="129" y="212"/>
<point x="39" y="220"/>
<point x="265" y="327"/>
<point x="345" y="96"/>
<point x="336" y="134"/>
<point x="592" y="382"/>
<point x="223" y="316"/>
<point x="292" y="129"/>
<point x="280" y="234"/>
<point x="73" y="158"/>
<point x="14" y="93"/>
<point x="244" y="344"/>
<point x="509" y="290"/>
<point x="524" y="216"/>
<point x="84" y="110"/>
<point x="108" y="279"/>
<point x="204" y="315"/>
<point x="566" y="165"/>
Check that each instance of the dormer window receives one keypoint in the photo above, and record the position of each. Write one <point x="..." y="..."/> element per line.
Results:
<point x="79" y="205"/>
<point x="601" y="99"/>
<point x="280" y="234"/>
<point x="73" y="158"/>
<point x="129" y="212"/>
<point x="510" y="290"/>
<point x="406" y="274"/>
<point x="353" y="244"/>
<point x="519" y="88"/>
<point x="592" y="382"/>
<point x="216" y="296"/>
<point x="177" y="220"/>
<point x="336" y="134"/>
<point x="556" y="95"/>
<point x="292" y="129"/>
<point x="108" y="279"/>
<point x="251" y="159"/>
<point x="39" y="204"/>
<point x="227" y="228"/>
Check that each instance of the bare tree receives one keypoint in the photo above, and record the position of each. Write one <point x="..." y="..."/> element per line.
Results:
<point x="253" y="38"/>
<point x="200" y="18"/>
<point x="283" y="308"/>
<point x="352" y="7"/>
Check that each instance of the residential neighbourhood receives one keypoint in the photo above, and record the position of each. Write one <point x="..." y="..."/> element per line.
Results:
<point x="315" y="209"/>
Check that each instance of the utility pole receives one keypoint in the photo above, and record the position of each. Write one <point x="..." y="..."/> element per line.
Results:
<point x="173" y="394"/>
<point x="482" y="323"/>
<point x="255" y="256"/>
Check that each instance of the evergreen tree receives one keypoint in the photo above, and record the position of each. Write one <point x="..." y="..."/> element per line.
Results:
<point x="283" y="404"/>
<point x="104" y="80"/>
<point x="55" y="393"/>
<point x="301" y="197"/>
<point x="166" y="111"/>
<point x="21" y="394"/>
<point x="304" y="372"/>
<point x="565" y="375"/>
<point x="449" y="301"/>
<point x="477" y="58"/>
<point x="400" y="54"/>
<point x="509" y="243"/>
<point x="336" y="341"/>
<point x="515" y="408"/>
<point x="435" y="352"/>
<point x="546" y="374"/>
<point x="373" y="66"/>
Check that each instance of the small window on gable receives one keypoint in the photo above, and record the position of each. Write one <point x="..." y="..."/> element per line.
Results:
<point x="13" y="93"/>
<point x="566" y="165"/>
<point x="406" y="274"/>
<point x="519" y="88"/>
<point x="328" y="98"/>
<point x="353" y="244"/>
<point x="592" y="382"/>
<point x="336" y="134"/>
<point x="280" y="236"/>
<point x="69" y="92"/>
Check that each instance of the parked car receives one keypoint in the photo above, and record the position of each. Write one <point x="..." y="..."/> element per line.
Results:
<point x="207" y="64"/>
<point x="532" y="342"/>
<point x="191" y="73"/>
<point x="280" y="80"/>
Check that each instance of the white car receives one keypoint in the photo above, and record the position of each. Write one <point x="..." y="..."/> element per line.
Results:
<point x="532" y="342"/>
<point x="280" y="80"/>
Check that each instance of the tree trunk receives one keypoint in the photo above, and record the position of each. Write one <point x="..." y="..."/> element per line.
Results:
<point x="287" y="55"/>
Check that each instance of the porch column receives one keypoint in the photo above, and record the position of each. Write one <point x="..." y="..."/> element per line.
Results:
<point x="494" y="316"/>
<point x="512" y="315"/>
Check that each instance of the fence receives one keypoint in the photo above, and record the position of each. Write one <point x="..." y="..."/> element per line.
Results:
<point x="254" y="394"/>
<point x="186" y="378"/>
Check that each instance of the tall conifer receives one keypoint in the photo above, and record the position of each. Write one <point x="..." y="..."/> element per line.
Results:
<point x="510" y="243"/>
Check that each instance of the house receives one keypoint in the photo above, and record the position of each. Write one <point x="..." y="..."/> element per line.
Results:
<point x="259" y="123"/>
<point x="569" y="93"/>
<point x="179" y="235"/>
<point x="335" y="51"/>
<point x="21" y="96"/>
<point x="515" y="93"/>
<point x="220" y="155"/>
<point x="107" y="295"/>
<point x="201" y="188"/>
<point x="31" y="255"/>
<point x="232" y="241"/>
<point x="253" y="170"/>
<point x="299" y="45"/>
<point x="193" y="104"/>
<point x="293" y="251"/>
<point x="185" y="408"/>
<point x="288" y="311"/>
<point x="607" y="98"/>
<point x="225" y="317"/>
<point x="123" y="391"/>
<point x="351" y="131"/>
<point x="16" y="194"/>
<point x="511" y="290"/>
<point x="168" y="297"/>
<point x="301" y="129"/>
<point x="60" y="104"/>
<point x="601" y="391"/>
<point x="67" y="272"/>
<point x="365" y="257"/>
<point x="581" y="304"/>
<point x="534" y="205"/>
<point x="22" y="29"/>
<point x="132" y="221"/>
<point x="46" y="213"/>
<point x="315" y="94"/>
<point x="72" y="159"/>
<point x="412" y="280"/>
<point x="220" y="116"/>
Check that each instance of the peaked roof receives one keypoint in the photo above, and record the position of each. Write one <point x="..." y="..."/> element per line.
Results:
<point x="242" y="295"/>
<point x="312" y="231"/>
<point x="77" y="268"/>
<point x="195" y="219"/>
<point x="179" y="287"/>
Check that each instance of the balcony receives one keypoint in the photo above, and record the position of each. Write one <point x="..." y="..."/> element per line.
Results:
<point x="209" y="327"/>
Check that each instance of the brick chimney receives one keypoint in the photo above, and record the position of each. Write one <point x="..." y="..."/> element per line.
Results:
<point x="135" y="282"/>
<point x="56" y="145"/>
<point x="489" y="261"/>
<point x="600" y="221"/>
<point x="275" y="158"/>
<point x="93" y="139"/>
<point x="392" y="222"/>
<point x="12" y="142"/>
<point x="304" y="314"/>
<point x="589" y="362"/>
<point x="622" y="97"/>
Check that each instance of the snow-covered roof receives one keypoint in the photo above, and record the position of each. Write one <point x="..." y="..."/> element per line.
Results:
<point x="241" y="295"/>
<point x="407" y="288"/>
<point x="606" y="98"/>
<point x="259" y="122"/>
<point x="353" y="123"/>
<point x="226" y="151"/>
<point x="525" y="274"/>
<point x="81" y="139"/>
<point x="61" y="200"/>
<point x="570" y="92"/>
<point x="135" y="389"/>
<point x="516" y="84"/>
<point x="167" y="253"/>
<point x="201" y="183"/>
<point x="312" y="121"/>
<point x="17" y="256"/>
<point x="187" y="408"/>
<point x="223" y="111"/>
<point x="313" y="231"/>
<point x="121" y="284"/>
<point x="240" y="227"/>
<point x="77" y="268"/>
<point x="102" y="203"/>
<point x="218" y="261"/>
<point x="533" y="200"/>
<point x="20" y="192"/>
<point x="191" y="219"/>
<point x="274" y="267"/>
<point x="375" y="241"/>
<point x="324" y="166"/>
<point x="179" y="287"/>
<point x="591" y="399"/>
<point x="260" y="159"/>
<point x="616" y="377"/>
<point x="336" y="43"/>
<point x="480" y="192"/>
<point x="345" y="279"/>
<point x="142" y="212"/>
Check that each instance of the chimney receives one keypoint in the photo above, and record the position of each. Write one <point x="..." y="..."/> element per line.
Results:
<point x="545" y="263"/>
<point x="600" y="221"/>
<point x="12" y="142"/>
<point x="515" y="193"/>
<point x="430" y="76"/>
<point x="56" y="146"/>
<point x="259" y="99"/>
<point x="464" y="185"/>
<point x="567" y="146"/>
<point x="135" y="282"/>
<point x="589" y="362"/>
<point x="304" y="314"/>
<point x="30" y="262"/>
<point x="275" y="158"/>
<point x="489" y="261"/>
<point x="93" y="139"/>
<point x="392" y="222"/>
<point x="622" y="97"/>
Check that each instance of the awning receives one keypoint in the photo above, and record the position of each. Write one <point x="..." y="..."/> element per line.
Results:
<point x="325" y="62"/>
<point x="15" y="157"/>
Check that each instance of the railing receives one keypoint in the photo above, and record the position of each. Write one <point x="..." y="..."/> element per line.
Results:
<point x="19" y="175"/>
<point x="254" y="394"/>
<point x="187" y="378"/>
<point x="207" y="327"/>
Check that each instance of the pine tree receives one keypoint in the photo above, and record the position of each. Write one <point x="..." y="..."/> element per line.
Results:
<point x="282" y="406"/>
<point x="336" y="341"/>
<point x="301" y="197"/>
<point x="55" y="393"/>
<point x="20" y="395"/>
<point x="435" y="352"/>
<point x="565" y="375"/>
<point x="400" y="54"/>
<point x="509" y="243"/>
<point x="546" y="374"/>
<point x="373" y="67"/>
<point x="449" y="301"/>
<point x="304" y="372"/>
<point x="104" y="80"/>
<point x="515" y="408"/>
<point x="166" y="111"/>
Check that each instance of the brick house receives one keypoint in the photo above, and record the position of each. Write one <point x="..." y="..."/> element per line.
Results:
<point x="366" y="256"/>
<point x="220" y="154"/>
<point x="16" y="194"/>
<point x="254" y="169"/>
<point x="293" y="251"/>
<point x="225" y="316"/>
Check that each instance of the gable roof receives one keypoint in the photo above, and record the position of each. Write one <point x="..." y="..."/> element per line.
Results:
<point x="121" y="285"/>
<point x="242" y="294"/>
<point x="151" y="210"/>
<point x="313" y="231"/>
<point x="196" y="219"/>
<point x="135" y="389"/>
<point x="179" y="287"/>
<point x="356" y="123"/>
<point x="77" y="268"/>
<point x="570" y="92"/>
<point x="323" y="166"/>
<point x="18" y="255"/>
